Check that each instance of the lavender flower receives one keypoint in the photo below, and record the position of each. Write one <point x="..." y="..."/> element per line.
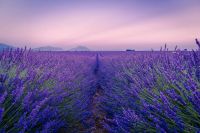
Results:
<point x="3" y="97"/>
<point x="1" y="113"/>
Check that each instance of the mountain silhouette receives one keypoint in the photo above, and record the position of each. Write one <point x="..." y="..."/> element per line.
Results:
<point x="5" y="46"/>
<point x="80" y="48"/>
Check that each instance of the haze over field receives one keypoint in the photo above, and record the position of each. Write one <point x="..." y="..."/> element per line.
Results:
<point x="100" y="25"/>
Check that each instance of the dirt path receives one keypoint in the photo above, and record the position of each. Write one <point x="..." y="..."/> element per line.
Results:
<point x="98" y="115"/>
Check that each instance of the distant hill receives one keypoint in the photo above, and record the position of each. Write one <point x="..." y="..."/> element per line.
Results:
<point x="5" y="46"/>
<point x="48" y="48"/>
<point x="80" y="48"/>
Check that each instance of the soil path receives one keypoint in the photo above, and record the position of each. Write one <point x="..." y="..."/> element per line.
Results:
<point x="98" y="114"/>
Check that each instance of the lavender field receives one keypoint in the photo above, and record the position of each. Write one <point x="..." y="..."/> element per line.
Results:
<point x="99" y="66"/>
<point x="114" y="92"/>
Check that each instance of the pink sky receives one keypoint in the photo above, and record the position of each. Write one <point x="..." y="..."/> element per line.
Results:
<point x="106" y="25"/>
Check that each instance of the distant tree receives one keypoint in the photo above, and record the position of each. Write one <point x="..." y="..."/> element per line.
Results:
<point x="130" y="50"/>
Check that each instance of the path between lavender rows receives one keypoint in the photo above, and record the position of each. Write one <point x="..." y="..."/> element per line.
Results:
<point x="97" y="114"/>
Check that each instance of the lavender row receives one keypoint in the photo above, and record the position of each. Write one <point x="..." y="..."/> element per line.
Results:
<point x="151" y="91"/>
<point x="45" y="91"/>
